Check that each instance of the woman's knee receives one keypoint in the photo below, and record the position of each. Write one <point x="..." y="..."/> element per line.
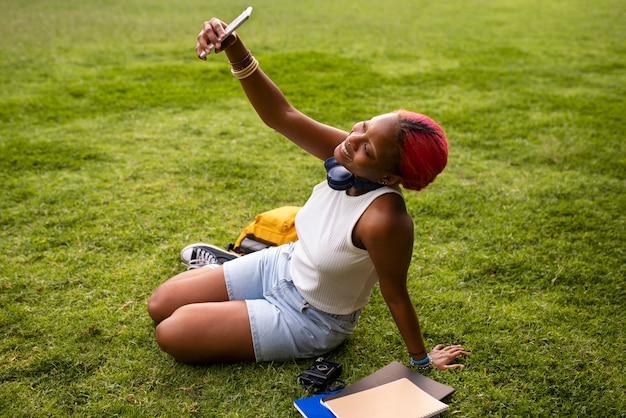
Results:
<point x="164" y="337"/>
<point x="158" y="308"/>
<point x="172" y="337"/>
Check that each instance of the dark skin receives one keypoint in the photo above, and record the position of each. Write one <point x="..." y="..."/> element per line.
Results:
<point x="197" y="322"/>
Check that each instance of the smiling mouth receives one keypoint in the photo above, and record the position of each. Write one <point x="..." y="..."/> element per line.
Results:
<point x="344" y="149"/>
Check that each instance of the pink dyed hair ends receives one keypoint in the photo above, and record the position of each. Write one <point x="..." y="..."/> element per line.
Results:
<point x="423" y="150"/>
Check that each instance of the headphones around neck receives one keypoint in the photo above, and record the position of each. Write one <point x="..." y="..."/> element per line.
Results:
<point x="339" y="178"/>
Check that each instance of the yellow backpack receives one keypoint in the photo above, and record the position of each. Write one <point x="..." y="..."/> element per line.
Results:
<point x="272" y="228"/>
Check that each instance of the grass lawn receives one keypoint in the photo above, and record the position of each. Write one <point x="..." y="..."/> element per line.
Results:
<point x="118" y="147"/>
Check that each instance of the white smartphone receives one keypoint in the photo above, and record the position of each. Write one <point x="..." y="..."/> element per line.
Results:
<point x="239" y="20"/>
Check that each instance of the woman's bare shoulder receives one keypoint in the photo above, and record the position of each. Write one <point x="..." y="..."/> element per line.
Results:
<point x="385" y="221"/>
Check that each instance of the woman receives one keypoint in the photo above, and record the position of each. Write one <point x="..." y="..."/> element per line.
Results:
<point x="303" y="299"/>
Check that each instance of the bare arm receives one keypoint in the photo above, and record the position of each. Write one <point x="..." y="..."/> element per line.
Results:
<point x="270" y="103"/>
<point x="386" y="231"/>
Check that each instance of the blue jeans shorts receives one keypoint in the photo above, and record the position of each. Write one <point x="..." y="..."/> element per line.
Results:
<point x="284" y="326"/>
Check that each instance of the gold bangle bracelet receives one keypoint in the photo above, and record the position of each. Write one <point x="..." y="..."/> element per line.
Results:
<point x="246" y="71"/>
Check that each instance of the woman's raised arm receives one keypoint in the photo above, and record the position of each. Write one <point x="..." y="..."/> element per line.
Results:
<point x="269" y="102"/>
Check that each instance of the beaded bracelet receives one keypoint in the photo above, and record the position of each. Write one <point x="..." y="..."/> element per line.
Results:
<point x="422" y="364"/>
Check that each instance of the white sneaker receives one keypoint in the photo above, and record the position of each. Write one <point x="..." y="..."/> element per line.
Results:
<point x="200" y="255"/>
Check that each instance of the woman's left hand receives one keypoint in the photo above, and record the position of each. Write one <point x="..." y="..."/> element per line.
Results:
<point x="442" y="356"/>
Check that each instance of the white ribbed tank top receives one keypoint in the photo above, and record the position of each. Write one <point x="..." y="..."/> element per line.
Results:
<point x="330" y="272"/>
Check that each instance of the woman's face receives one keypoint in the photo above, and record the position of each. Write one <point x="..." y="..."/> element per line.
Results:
<point x="370" y="150"/>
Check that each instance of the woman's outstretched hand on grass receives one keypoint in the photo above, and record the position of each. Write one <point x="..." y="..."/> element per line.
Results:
<point x="444" y="356"/>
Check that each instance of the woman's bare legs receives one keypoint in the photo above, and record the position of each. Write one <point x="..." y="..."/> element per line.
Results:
<point x="207" y="332"/>
<point x="192" y="286"/>
<point x="197" y="323"/>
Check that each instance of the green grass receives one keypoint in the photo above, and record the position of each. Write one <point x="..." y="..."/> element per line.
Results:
<point x="118" y="147"/>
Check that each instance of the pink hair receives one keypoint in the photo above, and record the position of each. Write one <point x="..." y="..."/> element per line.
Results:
<point x="423" y="150"/>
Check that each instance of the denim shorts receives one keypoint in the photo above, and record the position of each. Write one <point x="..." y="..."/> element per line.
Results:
<point x="284" y="325"/>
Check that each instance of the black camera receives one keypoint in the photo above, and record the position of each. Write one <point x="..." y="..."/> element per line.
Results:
<point x="320" y="375"/>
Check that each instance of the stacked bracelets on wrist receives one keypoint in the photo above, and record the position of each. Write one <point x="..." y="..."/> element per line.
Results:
<point x="244" y="68"/>
<point x="422" y="364"/>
